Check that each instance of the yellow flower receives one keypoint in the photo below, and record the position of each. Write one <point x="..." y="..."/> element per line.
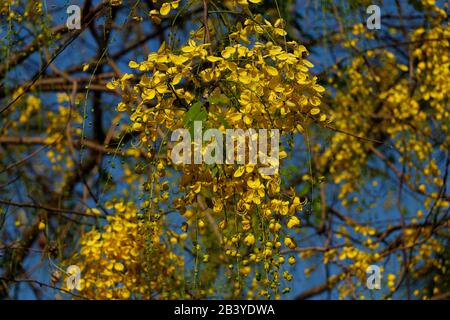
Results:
<point x="280" y="206"/>
<point x="272" y="71"/>
<point x="188" y="214"/>
<point x="391" y="277"/>
<point x="314" y="111"/>
<point x="256" y="191"/>
<point x="165" y="9"/>
<point x="125" y="294"/>
<point x="218" y="206"/>
<point x="249" y="240"/>
<point x="290" y="243"/>
<point x="228" y="52"/>
<point x="201" y="224"/>
<point x="239" y="172"/>
<point x="293" y="222"/>
<point x="41" y="225"/>
<point x="118" y="266"/>
<point x="422" y="188"/>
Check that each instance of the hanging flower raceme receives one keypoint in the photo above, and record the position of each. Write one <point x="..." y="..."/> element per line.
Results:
<point x="233" y="214"/>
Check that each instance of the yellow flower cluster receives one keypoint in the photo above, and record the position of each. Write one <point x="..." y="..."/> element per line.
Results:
<point x="243" y="83"/>
<point x="400" y="104"/>
<point x="33" y="104"/>
<point x="249" y="85"/>
<point x="379" y="103"/>
<point x="116" y="262"/>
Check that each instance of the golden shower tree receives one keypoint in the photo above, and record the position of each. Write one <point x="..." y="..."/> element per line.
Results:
<point x="87" y="178"/>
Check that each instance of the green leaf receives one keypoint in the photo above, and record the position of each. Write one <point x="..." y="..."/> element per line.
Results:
<point x="223" y="121"/>
<point x="195" y="113"/>
<point x="218" y="99"/>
